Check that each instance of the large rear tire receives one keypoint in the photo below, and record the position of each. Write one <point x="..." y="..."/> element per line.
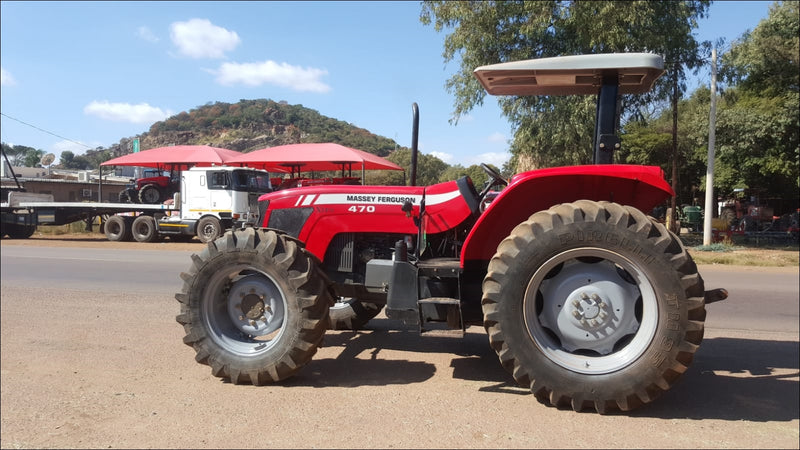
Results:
<point x="593" y="305"/>
<point x="150" y="194"/>
<point x="144" y="229"/>
<point x="254" y="306"/>
<point x="351" y="314"/>
<point x="117" y="229"/>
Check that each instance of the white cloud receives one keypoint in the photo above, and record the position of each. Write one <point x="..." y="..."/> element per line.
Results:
<point x="446" y="157"/>
<point x="496" y="159"/>
<point x="6" y="79"/>
<point x="199" y="38"/>
<point x="126" y="112"/>
<point x="145" y="34"/>
<point x="281" y="74"/>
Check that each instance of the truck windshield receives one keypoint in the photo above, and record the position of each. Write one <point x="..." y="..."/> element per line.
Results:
<point x="251" y="181"/>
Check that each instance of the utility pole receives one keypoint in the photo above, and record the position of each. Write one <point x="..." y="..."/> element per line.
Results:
<point x="712" y="136"/>
<point x="675" y="227"/>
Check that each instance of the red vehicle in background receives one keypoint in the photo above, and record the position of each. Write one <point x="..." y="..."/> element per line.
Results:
<point x="153" y="188"/>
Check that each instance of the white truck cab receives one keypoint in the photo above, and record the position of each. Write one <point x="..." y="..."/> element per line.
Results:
<point x="213" y="199"/>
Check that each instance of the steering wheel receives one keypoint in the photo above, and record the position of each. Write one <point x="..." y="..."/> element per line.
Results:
<point x="494" y="179"/>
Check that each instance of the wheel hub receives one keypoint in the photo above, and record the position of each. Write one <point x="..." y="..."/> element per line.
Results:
<point x="589" y="306"/>
<point x="254" y="306"/>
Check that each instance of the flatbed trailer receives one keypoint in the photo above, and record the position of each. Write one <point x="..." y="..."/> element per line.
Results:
<point x="24" y="212"/>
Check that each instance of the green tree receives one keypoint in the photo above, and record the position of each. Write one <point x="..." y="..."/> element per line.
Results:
<point x="76" y="162"/>
<point x="22" y="155"/>
<point x="758" y="129"/>
<point x="429" y="168"/>
<point x="557" y="130"/>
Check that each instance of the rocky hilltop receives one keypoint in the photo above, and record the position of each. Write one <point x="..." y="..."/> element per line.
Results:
<point x="253" y="124"/>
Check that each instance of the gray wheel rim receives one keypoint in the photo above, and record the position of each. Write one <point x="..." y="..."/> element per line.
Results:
<point x="244" y="311"/>
<point x="209" y="231"/>
<point x="593" y="315"/>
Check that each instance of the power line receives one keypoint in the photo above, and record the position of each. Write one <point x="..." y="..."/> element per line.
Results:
<point x="45" y="131"/>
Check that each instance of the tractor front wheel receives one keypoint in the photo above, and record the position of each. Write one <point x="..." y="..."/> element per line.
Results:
<point x="254" y="306"/>
<point x="593" y="305"/>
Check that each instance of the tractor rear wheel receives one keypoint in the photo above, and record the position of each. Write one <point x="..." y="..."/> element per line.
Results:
<point x="150" y="194"/>
<point x="254" y="306"/>
<point x="351" y="314"/>
<point x="593" y="305"/>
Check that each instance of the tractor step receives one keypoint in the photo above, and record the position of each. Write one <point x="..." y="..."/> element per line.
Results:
<point x="434" y="307"/>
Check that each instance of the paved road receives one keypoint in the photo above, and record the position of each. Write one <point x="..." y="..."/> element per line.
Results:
<point x="92" y="357"/>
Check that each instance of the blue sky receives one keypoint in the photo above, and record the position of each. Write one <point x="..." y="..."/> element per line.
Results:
<point x="86" y="74"/>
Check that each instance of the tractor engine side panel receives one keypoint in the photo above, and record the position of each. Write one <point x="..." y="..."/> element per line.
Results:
<point x="315" y="215"/>
<point x="642" y="187"/>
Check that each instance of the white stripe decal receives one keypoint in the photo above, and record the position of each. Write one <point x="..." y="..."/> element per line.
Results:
<point x="299" y="199"/>
<point x="309" y="199"/>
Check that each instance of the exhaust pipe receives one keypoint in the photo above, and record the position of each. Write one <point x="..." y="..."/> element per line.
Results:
<point x="414" y="139"/>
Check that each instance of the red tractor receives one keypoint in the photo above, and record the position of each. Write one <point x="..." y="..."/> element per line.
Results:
<point x="587" y="301"/>
<point x="153" y="188"/>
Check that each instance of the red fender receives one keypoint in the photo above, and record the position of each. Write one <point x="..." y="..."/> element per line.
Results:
<point x="642" y="187"/>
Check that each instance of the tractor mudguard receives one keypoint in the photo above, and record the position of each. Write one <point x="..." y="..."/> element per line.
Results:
<point x="642" y="187"/>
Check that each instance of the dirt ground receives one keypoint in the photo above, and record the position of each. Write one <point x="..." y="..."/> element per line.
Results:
<point x="110" y="371"/>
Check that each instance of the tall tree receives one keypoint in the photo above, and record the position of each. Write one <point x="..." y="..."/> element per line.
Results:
<point x="557" y="130"/>
<point x="758" y="129"/>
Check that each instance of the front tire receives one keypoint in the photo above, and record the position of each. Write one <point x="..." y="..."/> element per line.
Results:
<point x="593" y="305"/>
<point x="254" y="306"/>
<point x="208" y="229"/>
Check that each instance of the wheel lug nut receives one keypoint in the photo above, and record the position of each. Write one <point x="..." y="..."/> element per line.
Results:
<point x="576" y="314"/>
<point x="584" y="296"/>
<point x="595" y="297"/>
<point x="602" y="315"/>
<point x="576" y="303"/>
<point x="593" y="323"/>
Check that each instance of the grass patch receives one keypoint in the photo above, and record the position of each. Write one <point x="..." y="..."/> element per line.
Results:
<point x="742" y="256"/>
<point x="78" y="227"/>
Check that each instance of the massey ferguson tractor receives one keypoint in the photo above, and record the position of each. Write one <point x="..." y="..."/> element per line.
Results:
<point x="588" y="302"/>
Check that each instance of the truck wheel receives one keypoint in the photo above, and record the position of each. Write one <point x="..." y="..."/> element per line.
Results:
<point x="150" y="194"/>
<point x="351" y="314"/>
<point x="208" y="229"/>
<point x="254" y="306"/>
<point x="117" y="229"/>
<point x="17" y="231"/>
<point x="144" y="229"/>
<point x="593" y="305"/>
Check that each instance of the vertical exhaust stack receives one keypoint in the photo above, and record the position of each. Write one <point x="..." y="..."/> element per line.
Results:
<point x="414" y="140"/>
